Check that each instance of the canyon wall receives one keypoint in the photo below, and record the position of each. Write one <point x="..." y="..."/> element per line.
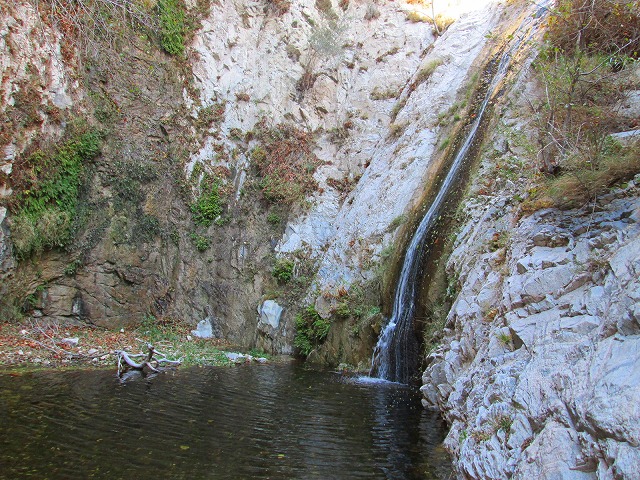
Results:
<point x="538" y="368"/>
<point x="374" y="87"/>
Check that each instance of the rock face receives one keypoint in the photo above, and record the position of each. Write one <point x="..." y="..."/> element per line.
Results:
<point x="270" y="313"/>
<point x="372" y="82"/>
<point x="539" y="370"/>
<point x="381" y="87"/>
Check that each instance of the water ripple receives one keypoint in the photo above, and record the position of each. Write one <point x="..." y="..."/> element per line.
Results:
<point x="267" y="422"/>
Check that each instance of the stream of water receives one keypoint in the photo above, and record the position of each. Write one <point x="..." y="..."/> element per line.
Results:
<point x="395" y="356"/>
<point x="260" y="422"/>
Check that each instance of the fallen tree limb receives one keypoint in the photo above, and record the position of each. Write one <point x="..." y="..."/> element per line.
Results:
<point x="126" y="361"/>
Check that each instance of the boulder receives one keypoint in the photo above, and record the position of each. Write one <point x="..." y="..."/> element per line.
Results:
<point x="204" y="329"/>
<point x="270" y="313"/>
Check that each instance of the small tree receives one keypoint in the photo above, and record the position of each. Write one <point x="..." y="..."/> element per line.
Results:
<point x="588" y="44"/>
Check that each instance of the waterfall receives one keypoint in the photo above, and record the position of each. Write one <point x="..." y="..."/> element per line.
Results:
<point x="396" y="353"/>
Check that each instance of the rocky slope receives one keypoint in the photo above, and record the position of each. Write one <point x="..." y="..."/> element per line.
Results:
<point x="538" y="370"/>
<point x="379" y="104"/>
<point x="372" y="83"/>
<point x="373" y="87"/>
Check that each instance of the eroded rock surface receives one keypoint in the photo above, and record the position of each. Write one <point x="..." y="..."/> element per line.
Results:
<point x="538" y="373"/>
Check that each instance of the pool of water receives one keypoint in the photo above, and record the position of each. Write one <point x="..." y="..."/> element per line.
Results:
<point x="258" y="422"/>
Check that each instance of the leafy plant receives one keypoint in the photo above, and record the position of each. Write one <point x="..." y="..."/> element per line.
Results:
<point x="311" y="330"/>
<point x="47" y="187"/>
<point x="172" y="26"/>
<point x="283" y="270"/>
<point x="505" y="339"/>
<point x="201" y="243"/>
<point x="274" y="219"/>
<point x="208" y="206"/>
<point x="502" y="421"/>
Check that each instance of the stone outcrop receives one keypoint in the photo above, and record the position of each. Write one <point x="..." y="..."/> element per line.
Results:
<point x="373" y="82"/>
<point x="538" y="370"/>
<point x="374" y="72"/>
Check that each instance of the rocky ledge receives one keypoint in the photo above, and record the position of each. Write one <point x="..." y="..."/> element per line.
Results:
<point x="539" y="374"/>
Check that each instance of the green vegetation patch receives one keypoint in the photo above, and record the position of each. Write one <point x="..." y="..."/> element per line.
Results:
<point x="172" y="26"/>
<point x="201" y="243"/>
<point x="311" y="330"/>
<point x="208" y="206"/>
<point x="283" y="270"/>
<point x="46" y="187"/>
<point x="169" y="338"/>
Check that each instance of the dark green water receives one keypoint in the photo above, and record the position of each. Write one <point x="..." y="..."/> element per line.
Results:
<point x="260" y="422"/>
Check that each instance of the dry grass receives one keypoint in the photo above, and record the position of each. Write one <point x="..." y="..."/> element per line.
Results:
<point x="584" y="70"/>
<point x="581" y="182"/>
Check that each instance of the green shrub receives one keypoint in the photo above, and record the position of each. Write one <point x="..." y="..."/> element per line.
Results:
<point x="172" y="26"/>
<point x="201" y="243"/>
<point x="311" y="330"/>
<point x="283" y="270"/>
<point x="47" y="188"/>
<point x="274" y="219"/>
<point x="208" y="207"/>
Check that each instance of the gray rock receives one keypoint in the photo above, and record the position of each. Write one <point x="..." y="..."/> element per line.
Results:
<point x="238" y="357"/>
<point x="611" y="408"/>
<point x="560" y="361"/>
<point x="204" y="329"/>
<point x="72" y="342"/>
<point x="270" y="313"/>
<point x="554" y="454"/>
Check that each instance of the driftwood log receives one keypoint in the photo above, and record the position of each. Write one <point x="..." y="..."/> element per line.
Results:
<point x="126" y="360"/>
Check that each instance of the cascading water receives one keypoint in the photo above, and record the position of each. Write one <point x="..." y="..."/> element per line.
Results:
<point x="396" y="353"/>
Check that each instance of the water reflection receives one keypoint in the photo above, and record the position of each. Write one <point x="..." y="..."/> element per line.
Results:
<point x="277" y="422"/>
